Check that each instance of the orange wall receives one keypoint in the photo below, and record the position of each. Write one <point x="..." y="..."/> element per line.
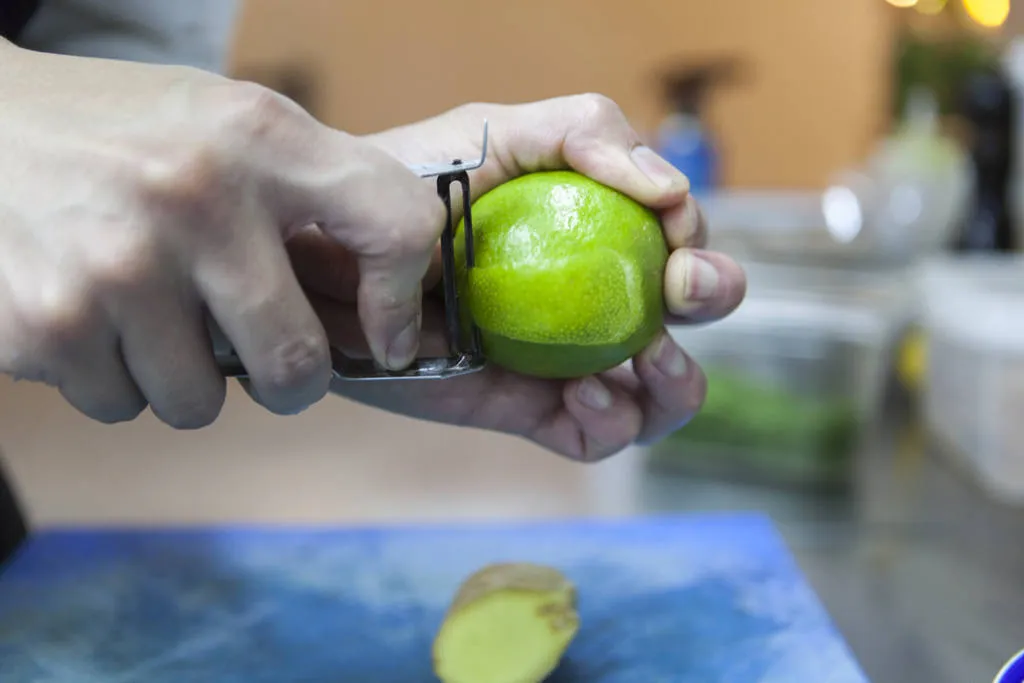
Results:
<point x="817" y="94"/>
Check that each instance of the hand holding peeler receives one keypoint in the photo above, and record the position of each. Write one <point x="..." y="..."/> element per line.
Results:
<point x="465" y="355"/>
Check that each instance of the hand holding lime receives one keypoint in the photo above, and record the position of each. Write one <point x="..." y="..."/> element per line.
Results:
<point x="569" y="275"/>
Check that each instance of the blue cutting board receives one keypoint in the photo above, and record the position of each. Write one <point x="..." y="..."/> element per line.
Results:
<point x="714" y="599"/>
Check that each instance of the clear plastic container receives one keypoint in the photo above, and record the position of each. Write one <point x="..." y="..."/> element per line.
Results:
<point x="796" y="375"/>
<point x="973" y="318"/>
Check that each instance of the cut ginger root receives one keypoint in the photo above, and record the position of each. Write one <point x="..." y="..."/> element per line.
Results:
<point x="508" y="623"/>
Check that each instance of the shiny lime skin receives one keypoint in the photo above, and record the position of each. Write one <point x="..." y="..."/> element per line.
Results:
<point x="568" y="277"/>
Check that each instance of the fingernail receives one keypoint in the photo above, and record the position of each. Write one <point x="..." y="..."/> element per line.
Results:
<point x="593" y="394"/>
<point x="701" y="279"/>
<point x="660" y="172"/>
<point x="403" y="348"/>
<point x="690" y="282"/>
<point x="669" y="358"/>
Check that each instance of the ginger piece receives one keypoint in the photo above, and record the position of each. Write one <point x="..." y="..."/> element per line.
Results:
<point x="508" y="623"/>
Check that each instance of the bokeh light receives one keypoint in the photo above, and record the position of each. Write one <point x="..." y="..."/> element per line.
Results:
<point x="988" y="13"/>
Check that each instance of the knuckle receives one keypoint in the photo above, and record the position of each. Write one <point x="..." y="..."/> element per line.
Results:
<point x="190" y="180"/>
<point x="412" y="234"/>
<point x="389" y="239"/>
<point x="598" y="107"/>
<point x="296" y="362"/>
<point x="121" y="262"/>
<point x="255" y="110"/>
<point x="59" y="318"/>
<point x="389" y="298"/>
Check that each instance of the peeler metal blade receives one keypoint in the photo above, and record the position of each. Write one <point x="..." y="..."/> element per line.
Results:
<point x="465" y="354"/>
<point x="456" y="166"/>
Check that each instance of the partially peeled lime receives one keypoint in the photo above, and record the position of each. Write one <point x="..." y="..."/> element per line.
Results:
<point x="568" y="277"/>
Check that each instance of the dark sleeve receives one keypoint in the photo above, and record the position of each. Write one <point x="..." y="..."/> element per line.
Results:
<point x="13" y="527"/>
<point x="14" y="15"/>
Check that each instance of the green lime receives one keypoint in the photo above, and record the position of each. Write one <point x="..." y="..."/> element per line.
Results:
<point x="568" y="277"/>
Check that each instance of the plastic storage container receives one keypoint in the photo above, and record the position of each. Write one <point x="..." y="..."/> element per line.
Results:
<point x="973" y="318"/>
<point x="796" y="376"/>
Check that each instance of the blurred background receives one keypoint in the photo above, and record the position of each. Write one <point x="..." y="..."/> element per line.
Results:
<point x="861" y="158"/>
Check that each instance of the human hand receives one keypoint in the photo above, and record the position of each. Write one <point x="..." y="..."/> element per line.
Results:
<point x="140" y="202"/>
<point x="586" y="418"/>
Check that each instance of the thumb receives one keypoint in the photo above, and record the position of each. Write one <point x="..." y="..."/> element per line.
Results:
<point x="388" y="218"/>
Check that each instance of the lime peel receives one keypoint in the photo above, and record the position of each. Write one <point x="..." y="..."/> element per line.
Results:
<point x="568" y="277"/>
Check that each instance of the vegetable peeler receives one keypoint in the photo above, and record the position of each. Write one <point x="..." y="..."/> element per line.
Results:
<point x="465" y="355"/>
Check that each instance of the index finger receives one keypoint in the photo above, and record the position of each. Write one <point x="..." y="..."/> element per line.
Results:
<point x="365" y="200"/>
<point x="595" y="138"/>
<point x="586" y="133"/>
